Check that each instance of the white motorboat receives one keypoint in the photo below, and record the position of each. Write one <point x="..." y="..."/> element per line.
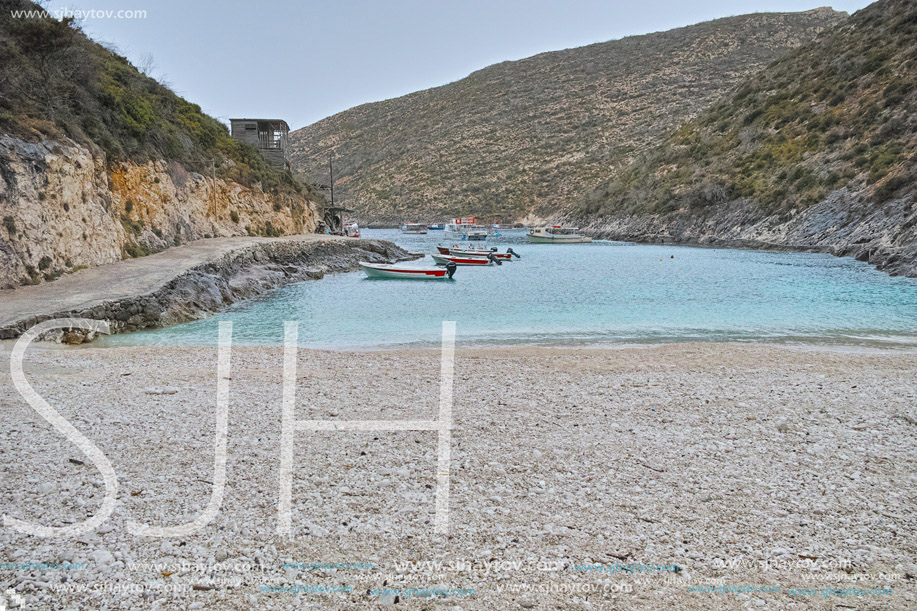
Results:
<point x="406" y="272"/>
<point x="465" y="229"/>
<point x="556" y="234"/>
<point x="413" y="228"/>
<point x="480" y="260"/>
<point x="476" y="251"/>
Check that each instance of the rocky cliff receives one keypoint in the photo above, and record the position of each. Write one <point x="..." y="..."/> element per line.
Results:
<point x="99" y="162"/>
<point x="63" y="207"/>
<point x="844" y="224"/>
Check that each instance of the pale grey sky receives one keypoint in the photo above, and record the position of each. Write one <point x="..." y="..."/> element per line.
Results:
<point x="305" y="60"/>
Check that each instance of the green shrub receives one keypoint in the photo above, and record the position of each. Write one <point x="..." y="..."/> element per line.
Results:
<point x="135" y="250"/>
<point x="44" y="263"/>
<point x="131" y="226"/>
<point x="890" y="187"/>
<point x="270" y="231"/>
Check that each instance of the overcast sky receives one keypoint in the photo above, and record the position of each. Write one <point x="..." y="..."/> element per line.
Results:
<point x="305" y="60"/>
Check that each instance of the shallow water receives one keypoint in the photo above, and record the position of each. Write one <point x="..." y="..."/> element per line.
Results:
<point x="599" y="293"/>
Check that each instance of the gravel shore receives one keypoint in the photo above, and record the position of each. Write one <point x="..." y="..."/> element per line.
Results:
<point x="634" y="478"/>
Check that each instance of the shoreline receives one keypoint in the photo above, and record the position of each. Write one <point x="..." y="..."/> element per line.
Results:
<point x="185" y="282"/>
<point x="860" y="347"/>
<point x="884" y="237"/>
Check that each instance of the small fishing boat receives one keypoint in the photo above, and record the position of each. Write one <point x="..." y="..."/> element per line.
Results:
<point x="476" y="251"/>
<point x="466" y="229"/>
<point x="405" y="272"/>
<point x="556" y="234"/>
<point x="413" y="228"/>
<point x="351" y="229"/>
<point x="437" y="227"/>
<point x="463" y="260"/>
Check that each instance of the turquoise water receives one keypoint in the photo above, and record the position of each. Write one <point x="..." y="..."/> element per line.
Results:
<point x="599" y="293"/>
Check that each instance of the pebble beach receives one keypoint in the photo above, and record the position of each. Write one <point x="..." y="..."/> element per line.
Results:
<point x="685" y="476"/>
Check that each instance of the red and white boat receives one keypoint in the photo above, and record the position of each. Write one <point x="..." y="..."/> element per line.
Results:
<point x="351" y="229"/>
<point x="462" y="260"/>
<point x="458" y="251"/>
<point x="405" y="272"/>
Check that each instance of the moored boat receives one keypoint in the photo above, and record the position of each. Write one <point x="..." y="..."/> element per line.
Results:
<point x="351" y="229"/>
<point x="463" y="260"/>
<point x="556" y="234"/>
<point x="466" y="229"/>
<point x="405" y="272"/>
<point x="437" y="227"/>
<point x="478" y="251"/>
<point x="413" y="228"/>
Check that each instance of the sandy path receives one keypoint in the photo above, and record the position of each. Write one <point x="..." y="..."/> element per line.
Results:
<point x="746" y="466"/>
<point x="124" y="279"/>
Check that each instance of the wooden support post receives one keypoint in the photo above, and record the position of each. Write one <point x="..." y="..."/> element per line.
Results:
<point x="213" y="168"/>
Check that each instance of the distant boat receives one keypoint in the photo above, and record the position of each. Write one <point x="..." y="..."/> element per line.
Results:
<point x="462" y="260"/>
<point x="351" y="229"/>
<point x="556" y="234"/>
<point x="479" y="251"/>
<point x="404" y="272"/>
<point x="437" y="227"/>
<point x="465" y="229"/>
<point x="413" y="228"/>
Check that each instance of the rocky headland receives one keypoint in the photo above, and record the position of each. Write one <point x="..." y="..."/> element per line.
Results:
<point x="184" y="283"/>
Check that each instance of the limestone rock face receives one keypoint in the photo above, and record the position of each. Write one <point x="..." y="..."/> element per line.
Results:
<point x="63" y="206"/>
<point x="55" y="203"/>
<point x="844" y="224"/>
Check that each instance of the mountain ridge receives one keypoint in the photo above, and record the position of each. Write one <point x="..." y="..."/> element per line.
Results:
<point x="818" y="151"/>
<point x="509" y="139"/>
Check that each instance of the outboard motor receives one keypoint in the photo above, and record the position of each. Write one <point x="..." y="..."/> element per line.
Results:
<point x="510" y="251"/>
<point x="491" y="257"/>
<point x="450" y="269"/>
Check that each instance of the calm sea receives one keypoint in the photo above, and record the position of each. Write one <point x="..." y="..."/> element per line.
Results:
<point x="599" y="293"/>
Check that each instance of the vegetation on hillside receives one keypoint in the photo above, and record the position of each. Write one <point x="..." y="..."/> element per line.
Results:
<point x="55" y="82"/>
<point x="532" y="135"/>
<point x="838" y="112"/>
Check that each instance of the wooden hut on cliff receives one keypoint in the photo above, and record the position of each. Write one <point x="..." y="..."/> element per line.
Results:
<point x="270" y="136"/>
